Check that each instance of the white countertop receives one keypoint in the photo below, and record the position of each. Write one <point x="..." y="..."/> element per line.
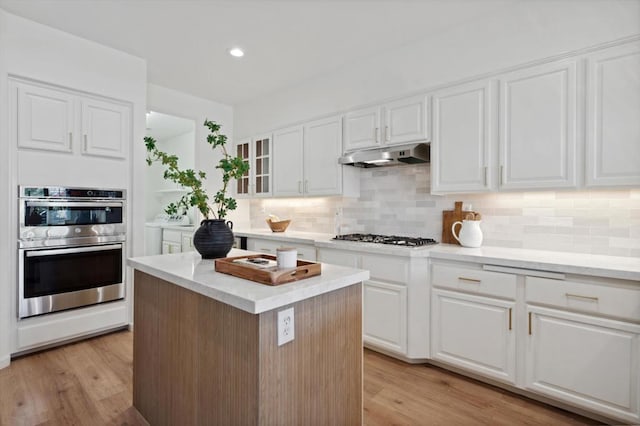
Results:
<point x="627" y="268"/>
<point x="190" y="271"/>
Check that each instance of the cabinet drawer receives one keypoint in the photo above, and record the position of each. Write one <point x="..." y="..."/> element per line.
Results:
<point x="474" y="281"/>
<point x="594" y="298"/>
<point x="305" y="251"/>
<point x="387" y="268"/>
<point x="338" y="257"/>
<point x="172" y="236"/>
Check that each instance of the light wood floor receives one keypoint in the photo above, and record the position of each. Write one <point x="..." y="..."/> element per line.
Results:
<point x="89" y="383"/>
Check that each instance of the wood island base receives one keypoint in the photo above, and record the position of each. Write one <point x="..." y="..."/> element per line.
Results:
<point x="198" y="361"/>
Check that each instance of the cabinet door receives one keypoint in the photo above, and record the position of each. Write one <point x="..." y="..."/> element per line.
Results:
<point x="187" y="242"/>
<point x="475" y="333"/>
<point x="287" y="162"/>
<point x="362" y="128"/>
<point x="385" y="316"/>
<point x="588" y="361"/>
<point x="105" y="128"/>
<point x="322" y="148"/>
<point x="262" y="166"/>
<point x="242" y="187"/>
<point x="406" y="120"/>
<point x="45" y="119"/>
<point x="169" y="247"/>
<point x="613" y="116"/>
<point x="462" y="138"/>
<point x="538" y="124"/>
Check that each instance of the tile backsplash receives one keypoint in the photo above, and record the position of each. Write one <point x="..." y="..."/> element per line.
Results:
<point x="396" y="200"/>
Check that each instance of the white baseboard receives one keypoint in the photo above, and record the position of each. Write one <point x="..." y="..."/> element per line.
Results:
<point x="5" y="361"/>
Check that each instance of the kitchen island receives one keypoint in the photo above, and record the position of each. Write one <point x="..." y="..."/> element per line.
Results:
<point x="206" y="345"/>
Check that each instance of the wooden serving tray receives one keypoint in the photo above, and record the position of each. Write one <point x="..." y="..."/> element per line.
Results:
<point x="268" y="276"/>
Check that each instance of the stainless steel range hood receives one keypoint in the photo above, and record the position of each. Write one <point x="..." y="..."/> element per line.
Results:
<point x="388" y="156"/>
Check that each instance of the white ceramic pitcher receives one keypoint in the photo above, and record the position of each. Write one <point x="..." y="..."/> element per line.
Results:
<point x="470" y="233"/>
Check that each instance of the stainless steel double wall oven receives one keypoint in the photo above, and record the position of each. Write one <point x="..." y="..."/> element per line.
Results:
<point x="71" y="249"/>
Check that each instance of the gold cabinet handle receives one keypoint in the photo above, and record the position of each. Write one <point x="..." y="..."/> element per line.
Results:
<point x="578" y="296"/>
<point x="510" y="318"/>
<point x="529" y="323"/>
<point x="471" y="280"/>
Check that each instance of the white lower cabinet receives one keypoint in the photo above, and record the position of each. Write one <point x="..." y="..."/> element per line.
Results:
<point x="473" y="322"/>
<point x="584" y="360"/>
<point x="385" y="315"/>
<point x="305" y="251"/>
<point x="574" y="339"/>
<point x="174" y="241"/>
<point x="395" y="299"/>
<point x="475" y="333"/>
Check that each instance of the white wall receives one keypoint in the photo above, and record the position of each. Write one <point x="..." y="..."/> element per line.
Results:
<point x="182" y="146"/>
<point x="34" y="51"/>
<point x="523" y="32"/>
<point x="176" y="103"/>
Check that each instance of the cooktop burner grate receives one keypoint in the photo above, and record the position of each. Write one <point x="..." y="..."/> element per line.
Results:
<point x="386" y="239"/>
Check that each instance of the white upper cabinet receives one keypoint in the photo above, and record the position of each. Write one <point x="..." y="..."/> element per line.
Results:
<point x="322" y="148"/>
<point x="105" y="128"/>
<point x="362" y="128"/>
<point x="406" y="120"/>
<point x="288" y="176"/>
<point x="305" y="161"/>
<point x="462" y="138"/>
<point x="613" y="116"/>
<point x="53" y="119"/>
<point x="257" y="181"/>
<point x="396" y="122"/>
<point x="538" y="122"/>
<point x="45" y="118"/>
<point x="243" y="184"/>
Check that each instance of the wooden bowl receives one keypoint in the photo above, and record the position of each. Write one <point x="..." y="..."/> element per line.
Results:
<point x="280" y="226"/>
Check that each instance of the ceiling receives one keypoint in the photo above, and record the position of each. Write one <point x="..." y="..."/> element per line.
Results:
<point x="286" y="42"/>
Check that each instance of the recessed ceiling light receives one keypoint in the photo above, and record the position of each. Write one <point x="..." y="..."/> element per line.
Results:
<point x="237" y="52"/>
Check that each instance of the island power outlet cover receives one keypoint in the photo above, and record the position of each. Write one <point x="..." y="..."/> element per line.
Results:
<point x="286" y="326"/>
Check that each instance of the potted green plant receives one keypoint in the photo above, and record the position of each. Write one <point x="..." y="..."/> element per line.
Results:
<point x="214" y="237"/>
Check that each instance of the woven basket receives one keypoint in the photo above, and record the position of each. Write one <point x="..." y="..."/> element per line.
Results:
<point x="278" y="226"/>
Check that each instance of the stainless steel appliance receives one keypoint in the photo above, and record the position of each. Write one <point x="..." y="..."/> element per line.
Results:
<point x="386" y="239"/>
<point x="71" y="248"/>
<point x="414" y="153"/>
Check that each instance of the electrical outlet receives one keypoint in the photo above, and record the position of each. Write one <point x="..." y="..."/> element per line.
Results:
<point x="286" y="326"/>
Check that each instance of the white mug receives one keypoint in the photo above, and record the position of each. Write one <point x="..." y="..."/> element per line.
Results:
<point x="287" y="257"/>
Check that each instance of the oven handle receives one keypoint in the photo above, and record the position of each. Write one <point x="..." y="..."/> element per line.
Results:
<point x="72" y="204"/>
<point x="37" y="253"/>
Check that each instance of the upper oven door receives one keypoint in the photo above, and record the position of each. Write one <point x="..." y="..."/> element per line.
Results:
<point x="51" y="220"/>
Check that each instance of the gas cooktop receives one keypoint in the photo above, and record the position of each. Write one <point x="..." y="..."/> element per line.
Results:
<point x="386" y="239"/>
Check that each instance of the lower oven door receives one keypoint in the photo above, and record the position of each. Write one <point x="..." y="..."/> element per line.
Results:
<point x="54" y="279"/>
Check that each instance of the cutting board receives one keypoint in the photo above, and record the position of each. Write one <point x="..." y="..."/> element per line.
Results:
<point x="449" y="217"/>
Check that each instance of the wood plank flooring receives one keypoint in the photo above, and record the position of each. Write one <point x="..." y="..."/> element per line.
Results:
<point x="90" y="383"/>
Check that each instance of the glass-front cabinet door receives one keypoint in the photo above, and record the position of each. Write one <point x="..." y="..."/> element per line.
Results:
<point x="257" y="181"/>
<point x="243" y="150"/>
<point x="262" y="166"/>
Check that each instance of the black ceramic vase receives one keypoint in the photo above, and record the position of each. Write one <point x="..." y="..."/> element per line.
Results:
<point x="214" y="238"/>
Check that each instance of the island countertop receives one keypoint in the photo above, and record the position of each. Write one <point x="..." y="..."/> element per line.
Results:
<point x="190" y="271"/>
